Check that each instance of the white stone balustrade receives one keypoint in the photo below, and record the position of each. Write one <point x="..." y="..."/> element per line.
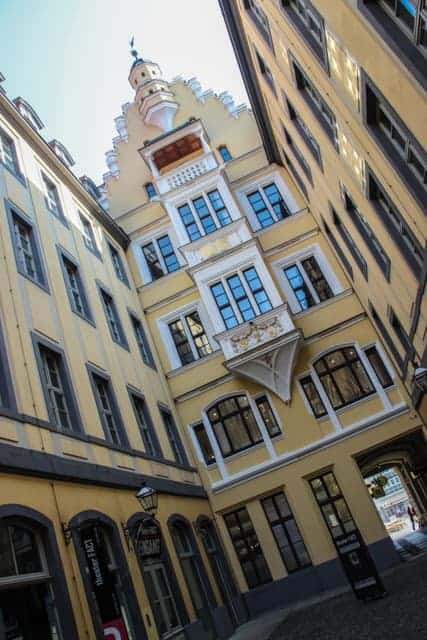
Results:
<point x="186" y="173"/>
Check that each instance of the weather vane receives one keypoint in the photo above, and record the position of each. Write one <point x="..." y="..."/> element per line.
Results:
<point x="133" y="51"/>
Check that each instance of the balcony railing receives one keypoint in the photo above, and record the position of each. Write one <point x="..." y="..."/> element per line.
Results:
<point x="186" y="173"/>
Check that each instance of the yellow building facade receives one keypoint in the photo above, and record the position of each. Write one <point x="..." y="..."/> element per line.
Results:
<point x="188" y="328"/>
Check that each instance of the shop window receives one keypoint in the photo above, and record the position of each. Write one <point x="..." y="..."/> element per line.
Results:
<point x="160" y="257"/>
<point x="204" y="214"/>
<point x="332" y="505"/>
<point x="194" y="573"/>
<point x="286" y="532"/>
<point x="268" y="205"/>
<point x="240" y="297"/>
<point x="247" y="548"/>
<point x="27" y="608"/>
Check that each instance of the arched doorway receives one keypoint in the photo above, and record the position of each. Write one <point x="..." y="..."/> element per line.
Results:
<point x="34" y="603"/>
<point x="395" y="474"/>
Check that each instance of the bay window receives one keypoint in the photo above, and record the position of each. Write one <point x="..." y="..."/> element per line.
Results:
<point x="204" y="214"/>
<point x="268" y="205"/>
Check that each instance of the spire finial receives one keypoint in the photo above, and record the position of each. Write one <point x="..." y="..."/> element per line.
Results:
<point x="133" y="51"/>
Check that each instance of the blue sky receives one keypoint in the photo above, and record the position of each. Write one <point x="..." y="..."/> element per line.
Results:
<point x="70" y="59"/>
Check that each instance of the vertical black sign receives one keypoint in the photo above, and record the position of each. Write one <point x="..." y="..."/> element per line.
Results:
<point x="101" y="578"/>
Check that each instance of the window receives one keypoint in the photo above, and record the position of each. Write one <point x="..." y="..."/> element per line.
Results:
<point x="267" y="415"/>
<point x="309" y="23"/>
<point x="8" y="153"/>
<point x="377" y="363"/>
<point x="234" y="425"/>
<point x="194" y="573"/>
<point x="268" y="205"/>
<point x="146" y="427"/>
<point x="313" y="397"/>
<point x="247" y="293"/>
<point x="386" y="336"/>
<point x="26" y="246"/>
<point x="265" y="72"/>
<point x="160" y="257"/>
<point x="29" y="600"/>
<point x="150" y="190"/>
<point x="299" y="156"/>
<point x="346" y="264"/>
<point x="204" y="214"/>
<point x="247" y="547"/>
<point x="118" y="265"/>
<point x="260" y="20"/>
<point x="178" y="450"/>
<point x="142" y="341"/>
<point x="400" y="331"/>
<point x="403" y="25"/>
<point x="189" y="337"/>
<point x="363" y="226"/>
<point x="332" y="505"/>
<point x="305" y="133"/>
<point x="61" y="405"/>
<point x="315" y="101"/>
<point x="225" y="153"/>
<point x="108" y="410"/>
<point x="343" y="377"/>
<point x="52" y="199"/>
<point x="204" y="443"/>
<point x="351" y="244"/>
<point x="7" y="396"/>
<point x="394" y="138"/>
<point x="113" y="319"/>
<point x="396" y="226"/>
<point x="75" y="288"/>
<point x="308" y="284"/>
<point x="296" y="175"/>
<point x="160" y="595"/>
<point x="286" y="532"/>
<point x="88" y="234"/>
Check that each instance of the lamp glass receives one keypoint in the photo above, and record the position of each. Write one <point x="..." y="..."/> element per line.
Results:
<point x="148" y="499"/>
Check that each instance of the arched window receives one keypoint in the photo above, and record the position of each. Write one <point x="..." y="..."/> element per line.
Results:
<point x="343" y="377"/>
<point x="234" y="425"/>
<point x="159" y="579"/>
<point x="194" y="574"/>
<point x="27" y="607"/>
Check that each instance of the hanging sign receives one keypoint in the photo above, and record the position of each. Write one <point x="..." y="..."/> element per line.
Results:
<point x="147" y="540"/>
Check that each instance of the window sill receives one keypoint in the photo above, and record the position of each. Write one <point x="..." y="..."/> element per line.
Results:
<point x="191" y="365"/>
<point x="243" y="452"/>
<point x="43" y="286"/>
<point x="62" y="219"/>
<point x="262" y="230"/>
<point x="356" y="403"/>
<point x="85" y="318"/>
<point x="161" y="279"/>
<point x="123" y="345"/>
<point x="335" y="298"/>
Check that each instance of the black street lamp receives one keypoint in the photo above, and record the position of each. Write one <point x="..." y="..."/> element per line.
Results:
<point x="148" y="499"/>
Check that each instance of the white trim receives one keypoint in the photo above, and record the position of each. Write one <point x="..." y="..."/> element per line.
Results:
<point x="274" y="411"/>
<point x="296" y="258"/>
<point x="140" y="241"/>
<point x="259" y="183"/>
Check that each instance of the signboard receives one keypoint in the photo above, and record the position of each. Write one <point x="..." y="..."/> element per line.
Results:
<point x="359" y="566"/>
<point x="115" y="630"/>
<point x="147" y="540"/>
<point x="102" y="582"/>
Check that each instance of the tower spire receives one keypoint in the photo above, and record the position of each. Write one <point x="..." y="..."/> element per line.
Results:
<point x="133" y="51"/>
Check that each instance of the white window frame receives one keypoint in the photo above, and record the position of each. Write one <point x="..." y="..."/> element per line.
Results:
<point x="332" y="413"/>
<point x="153" y="237"/>
<point x="58" y="212"/>
<point x="9" y="138"/>
<point x="88" y="240"/>
<point x="179" y="314"/>
<point x="244" y="259"/>
<point x="296" y="258"/>
<point x="259" y="184"/>
<point x="201" y="188"/>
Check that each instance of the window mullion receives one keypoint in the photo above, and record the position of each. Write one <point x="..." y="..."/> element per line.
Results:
<point x="189" y="336"/>
<point x="308" y="282"/>
<point x="211" y="208"/>
<point x="269" y="205"/>
<point x="196" y="217"/>
<point x="233" y="303"/>
<point x="249" y="292"/>
<point x="159" y="257"/>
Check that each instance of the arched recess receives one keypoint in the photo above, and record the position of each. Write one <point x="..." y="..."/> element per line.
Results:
<point x="55" y="610"/>
<point x="230" y="594"/>
<point x="194" y="572"/>
<point x="105" y="574"/>
<point x="161" y="585"/>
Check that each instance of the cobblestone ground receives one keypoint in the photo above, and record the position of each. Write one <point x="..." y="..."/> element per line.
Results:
<point x="402" y="615"/>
